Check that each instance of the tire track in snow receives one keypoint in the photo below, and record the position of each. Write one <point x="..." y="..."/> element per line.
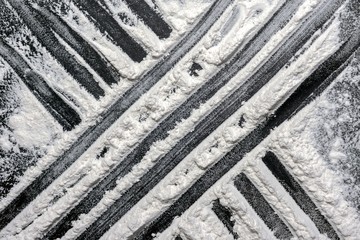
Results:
<point x="54" y="104"/>
<point x="108" y="26"/>
<point x="298" y="194"/>
<point x="312" y="87"/>
<point x="269" y="14"/>
<point x="182" y="112"/>
<point x="211" y="122"/>
<point x="48" y="39"/>
<point x="224" y="215"/>
<point x="97" y="62"/>
<point x="113" y="113"/>
<point x="16" y="34"/>
<point x="262" y="207"/>
<point x="151" y="18"/>
<point x="244" y="218"/>
<point x="211" y="228"/>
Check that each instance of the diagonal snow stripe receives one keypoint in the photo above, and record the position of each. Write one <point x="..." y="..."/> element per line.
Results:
<point x="54" y="104"/>
<point x="182" y="112"/>
<point x="262" y="207"/>
<point x="113" y="113"/>
<point x="224" y="215"/>
<point x="201" y="227"/>
<point x="298" y="194"/>
<point x="312" y="87"/>
<point x="96" y="61"/>
<point x="278" y="198"/>
<point x="108" y="25"/>
<point x="47" y="38"/>
<point x="150" y="17"/>
<point x="211" y="122"/>
<point x="246" y="221"/>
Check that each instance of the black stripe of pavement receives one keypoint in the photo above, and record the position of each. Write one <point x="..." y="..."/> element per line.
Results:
<point x="182" y="112"/>
<point x="56" y="106"/>
<point x="262" y="207"/>
<point x="299" y="195"/>
<point x="113" y="113"/>
<point x="164" y="165"/>
<point x="224" y="215"/>
<point x="312" y="87"/>
<point x="95" y="60"/>
<point x="150" y="17"/>
<point x="108" y="25"/>
<point x="47" y="38"/>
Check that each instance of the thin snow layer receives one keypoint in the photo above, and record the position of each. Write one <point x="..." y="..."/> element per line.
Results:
<point x="228" y="134"/>
<point x="21" y="116"/>
<point x="122" y="136"/>
<point x="323" y="179"/>
<point x="69" y="90"/>
<point x="337" y="136"/>
<point x="29" y="119"/>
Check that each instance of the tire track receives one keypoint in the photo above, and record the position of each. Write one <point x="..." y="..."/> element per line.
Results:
<point x="108" y="26"/>
<point x="312" y="87"/>
<point x="47" y="38"/>
<point x="247" y="224"/>
<point x="95" y="181"/>
<point x="262" y="207"/>
<point x="97" y="62"/>
<point x="112" y="114"/>
<point x="16" y="34"/>
<point x="151" y="18"/>
<point x="54" y="104"/>
<point x="224" y="215"/>
<point x="182" y="112"/>
<point x="210" y="123"/>
<point x="298" y="194"/>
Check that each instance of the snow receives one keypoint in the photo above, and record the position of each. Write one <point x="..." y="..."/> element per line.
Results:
<point x="229" y="133"/>
<point x="317" y="145"/>
<point x="68" y="88"/>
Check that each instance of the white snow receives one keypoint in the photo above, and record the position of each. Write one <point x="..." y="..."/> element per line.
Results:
<point x="226" y="136"/>
<point x="79" y="99"/>
<point x="292" y="141"/>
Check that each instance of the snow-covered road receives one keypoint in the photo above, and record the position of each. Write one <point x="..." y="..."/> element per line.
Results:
<point x="190" y="120"/>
